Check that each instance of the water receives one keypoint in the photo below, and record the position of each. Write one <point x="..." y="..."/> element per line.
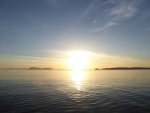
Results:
<point x="35" y="91"/>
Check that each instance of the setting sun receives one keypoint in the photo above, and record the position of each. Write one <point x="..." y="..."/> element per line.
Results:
<point x="78" y="60"/>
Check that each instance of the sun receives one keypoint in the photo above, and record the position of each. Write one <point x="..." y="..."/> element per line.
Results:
<point x="78" y="60"/>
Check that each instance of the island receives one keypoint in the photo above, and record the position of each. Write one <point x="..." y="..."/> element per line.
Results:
<point x="126" y="68"/>
<point x="37" y="68"/>
<point x="97" y="69"/>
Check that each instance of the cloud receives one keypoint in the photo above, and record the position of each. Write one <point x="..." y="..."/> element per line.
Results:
<point x="107" y="25"/>
<point x="107" y="60"/>
<point x="15" y="30"/>
<point x="114" y="11"/>
<point x="88" y="9"/>
<point x="124" y="9"/>
<point x="58" y="58"/>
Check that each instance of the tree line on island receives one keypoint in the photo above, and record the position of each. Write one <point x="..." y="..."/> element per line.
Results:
<point x="30" y="68"/>
<point x="34" y="68"/>
<point x="123" y="68"/>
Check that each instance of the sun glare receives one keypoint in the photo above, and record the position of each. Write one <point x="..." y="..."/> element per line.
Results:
<point x="78" y="60"/>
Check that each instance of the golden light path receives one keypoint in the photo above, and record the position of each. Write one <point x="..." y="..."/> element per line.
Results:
<point x="78" y="61"/>
<point x="78" y="76"/>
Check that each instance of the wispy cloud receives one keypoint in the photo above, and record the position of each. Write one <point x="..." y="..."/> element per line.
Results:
<point x="15" y="30"/>
<point x="124" y="9"/>
<point x="10" y="27"/>
<point x="59" y="58"/>
<point x="88" y="9"/>
<point x="102" y="60"/>
<point x="105" y="26"/>
<point x="119" y="11"/>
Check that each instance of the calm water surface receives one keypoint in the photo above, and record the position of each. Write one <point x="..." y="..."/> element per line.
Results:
<point x="35" y="91"/>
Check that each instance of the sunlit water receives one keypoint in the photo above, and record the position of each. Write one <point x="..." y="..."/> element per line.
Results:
<point x="35" y="91"/>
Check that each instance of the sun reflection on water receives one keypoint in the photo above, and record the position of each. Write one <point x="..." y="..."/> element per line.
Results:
<point x="78" y="76"/>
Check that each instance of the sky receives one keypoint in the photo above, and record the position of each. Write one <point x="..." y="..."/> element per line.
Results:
<point x="41" y="33"/>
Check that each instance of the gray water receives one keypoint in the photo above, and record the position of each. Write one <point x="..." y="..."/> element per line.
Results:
<point x="35" y="91"/>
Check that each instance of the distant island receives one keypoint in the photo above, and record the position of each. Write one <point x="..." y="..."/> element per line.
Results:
<point x="37" y="68"/>
<point x="97" y="69"/>
<point x="124" y="68"/>
<point x="31" y="68"/>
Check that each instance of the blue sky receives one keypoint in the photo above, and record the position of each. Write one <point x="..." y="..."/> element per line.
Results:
<point x="40" y="32"/>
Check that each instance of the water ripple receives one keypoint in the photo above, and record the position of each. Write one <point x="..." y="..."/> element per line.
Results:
<point x="109" y="92"/>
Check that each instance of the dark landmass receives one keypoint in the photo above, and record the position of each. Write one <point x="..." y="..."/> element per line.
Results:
<point x="48" y="68"/>
<point x="126" y="68"/>
<point x="97" y="69"/>
<point x="14" y="69"/>
<point x="37" y="68"/>
<point x="31" y="68"/>
<point x="34" y="68"/>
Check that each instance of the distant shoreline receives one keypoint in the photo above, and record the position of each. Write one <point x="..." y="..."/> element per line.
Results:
<point x="96" y="69"/>
<point x="124" y="68"/>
